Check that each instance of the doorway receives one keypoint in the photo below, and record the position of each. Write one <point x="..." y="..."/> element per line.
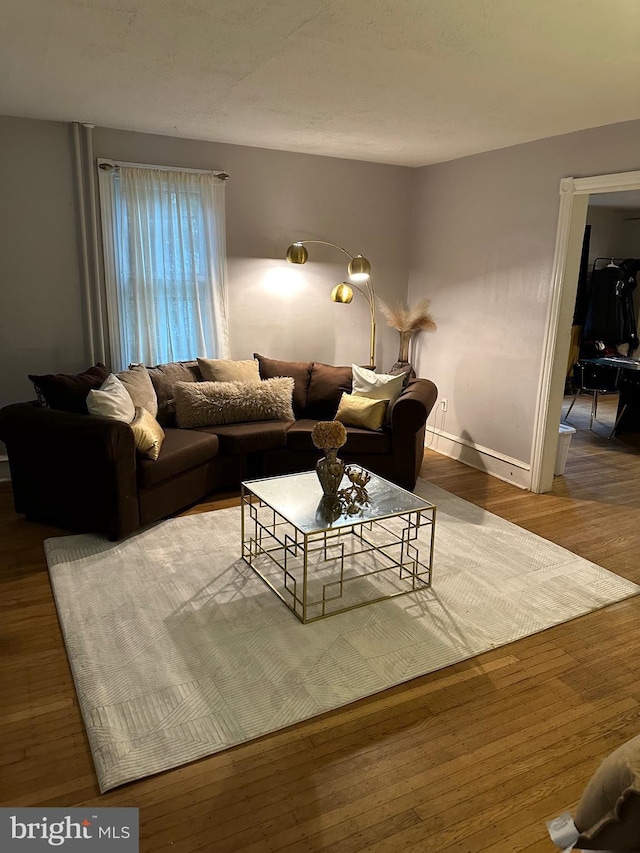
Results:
<point x="574" y="201"/>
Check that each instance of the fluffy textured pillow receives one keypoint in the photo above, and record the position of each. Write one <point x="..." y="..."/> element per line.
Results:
<point x="378" y="386"/>
<point x="201" y="404"/>
<point x="361" y="412"/>
<point x="111" y="400"/>
<point x="140" y="387"/>
<point x="68" y="391"/>
<point x="148" y="433"/>
<point x="608" y="814"/>
<point x="225" y="370"/>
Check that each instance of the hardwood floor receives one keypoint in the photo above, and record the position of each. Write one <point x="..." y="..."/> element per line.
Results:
<point x="472" y="758"/>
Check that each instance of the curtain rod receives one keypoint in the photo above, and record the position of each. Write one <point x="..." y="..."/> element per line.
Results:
<point x="108" y="165"/>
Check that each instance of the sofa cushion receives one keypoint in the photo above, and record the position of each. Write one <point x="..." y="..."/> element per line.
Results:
<point x="300" y="371"/>
<point x="239" y="439"/>
<point x="361" y="412"/>
<point x="210" y="403"/>
<point x="164" y="378"/>
<point x="226" y="370"/>
<point x="358" y="440"/>
<point x="140" y="387"/>
<point x="326" y="386"/>
<point x="67" y="392"/>
<point x="182" y="449"/>
<point x="111" y="400"/>
<point x="148" y="433"/>
<point x="377" y="386"/>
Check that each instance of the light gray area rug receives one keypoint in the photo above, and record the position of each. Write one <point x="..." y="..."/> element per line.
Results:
<point x="179" y="650"/>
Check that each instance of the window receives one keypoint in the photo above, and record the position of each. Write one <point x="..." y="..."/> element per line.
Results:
<point x="165" y="264"/>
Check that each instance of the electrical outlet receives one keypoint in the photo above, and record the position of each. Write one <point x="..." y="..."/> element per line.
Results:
<point x="444" y="404"/>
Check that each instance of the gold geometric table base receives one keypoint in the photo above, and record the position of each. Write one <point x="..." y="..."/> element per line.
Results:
<point x="334" y="570"/>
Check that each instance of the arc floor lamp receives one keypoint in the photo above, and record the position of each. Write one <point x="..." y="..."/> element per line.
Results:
<point x="359" y="270"/>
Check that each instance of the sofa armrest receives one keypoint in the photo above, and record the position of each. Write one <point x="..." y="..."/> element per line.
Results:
<point x="75" y="471"/>
<point x="410" y="411"/>
<point x="409" y="416"/>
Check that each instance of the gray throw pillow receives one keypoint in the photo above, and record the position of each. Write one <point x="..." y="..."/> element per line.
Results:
<point x="140" y="387"/>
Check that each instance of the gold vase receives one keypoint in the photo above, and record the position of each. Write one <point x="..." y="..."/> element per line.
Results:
<point x="330" y="471"/>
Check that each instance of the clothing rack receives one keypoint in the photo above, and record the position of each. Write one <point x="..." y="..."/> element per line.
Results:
<point x="608" y="260"/>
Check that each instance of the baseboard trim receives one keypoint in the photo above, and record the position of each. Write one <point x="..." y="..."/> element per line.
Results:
<point x="476" y="456"/>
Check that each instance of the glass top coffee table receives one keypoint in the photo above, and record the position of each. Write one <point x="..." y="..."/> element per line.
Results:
<point x="325" y="556"/>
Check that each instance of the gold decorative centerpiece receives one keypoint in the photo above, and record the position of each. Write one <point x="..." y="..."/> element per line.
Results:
<point x="350" y="501"/>
<point x="407" y="320"/>
<point x="329" y="436"/>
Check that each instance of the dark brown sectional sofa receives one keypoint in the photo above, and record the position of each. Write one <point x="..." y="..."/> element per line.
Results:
<point x="82" y="472"/>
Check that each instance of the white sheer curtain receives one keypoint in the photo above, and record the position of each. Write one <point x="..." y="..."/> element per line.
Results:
<point x="165" y="264"/>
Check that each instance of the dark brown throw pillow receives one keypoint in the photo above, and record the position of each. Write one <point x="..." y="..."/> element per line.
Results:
<point x="328" y="383"/>
<point x="164" y="378"/>
<point x="68" y="391"/>
<point x="300" y="371"/>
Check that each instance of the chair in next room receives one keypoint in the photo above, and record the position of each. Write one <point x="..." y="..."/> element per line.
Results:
<point x="595" y="380"/>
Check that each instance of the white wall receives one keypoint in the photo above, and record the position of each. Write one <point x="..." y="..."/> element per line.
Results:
<point x="274" y="198"/>
<point x="40" y="309"/>
<point x="483" y="236"/>
<point x="628" y="244"/>
<point x="481" y="232"/>
<point x="607" y="225"/>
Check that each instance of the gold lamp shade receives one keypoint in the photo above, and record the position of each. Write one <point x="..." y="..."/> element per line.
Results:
<point x="342" y="293"/>
<point x="359" y="268"/>
<point x="297" y="254"/>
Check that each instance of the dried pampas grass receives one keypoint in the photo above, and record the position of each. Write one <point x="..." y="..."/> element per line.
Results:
<point x="409" y="318"/>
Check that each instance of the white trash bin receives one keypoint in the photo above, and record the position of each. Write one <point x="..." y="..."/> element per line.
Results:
<point x="564" y="440"/>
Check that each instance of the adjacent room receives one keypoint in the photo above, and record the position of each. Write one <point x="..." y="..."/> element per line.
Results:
<point x="319" y="425"/>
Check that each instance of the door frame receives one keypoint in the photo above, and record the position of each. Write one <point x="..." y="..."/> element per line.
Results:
<point x="574" y="200"/>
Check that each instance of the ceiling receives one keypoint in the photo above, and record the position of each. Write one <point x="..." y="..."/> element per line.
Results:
<point x="408" y="82"/>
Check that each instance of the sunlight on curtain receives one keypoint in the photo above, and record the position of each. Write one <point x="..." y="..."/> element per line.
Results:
<point x="165" y="264"/>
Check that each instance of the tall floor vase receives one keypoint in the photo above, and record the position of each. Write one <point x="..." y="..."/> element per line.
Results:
<point x="403" y="365"/>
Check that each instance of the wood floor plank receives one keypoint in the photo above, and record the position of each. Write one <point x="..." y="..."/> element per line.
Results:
<point x="472" y="758"/>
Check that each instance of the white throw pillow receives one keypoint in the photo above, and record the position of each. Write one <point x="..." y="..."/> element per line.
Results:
<point x="377" y="386"/>
<point x="111" y="400"/>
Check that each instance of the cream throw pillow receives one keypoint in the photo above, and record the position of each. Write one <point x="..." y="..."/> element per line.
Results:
<point x="225" y="370"/>
<point x="362" y="412"/>
<point x="148" y="433"/>
<point x="140" y="387"/>
<point x="608" y="814"/>
<point x="377" y="386"/>
<point x="201" y="404"/>
<point x="111" y="400"/>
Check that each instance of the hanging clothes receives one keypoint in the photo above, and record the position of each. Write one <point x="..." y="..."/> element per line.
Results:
<point x="630" y="268"/>
<point x="580" y="309"/>
<point x="610" y="316"/>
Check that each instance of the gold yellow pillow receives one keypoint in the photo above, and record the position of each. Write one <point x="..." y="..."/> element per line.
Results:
<point x="362" y="412"/>
<point x="148" y="433"/>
